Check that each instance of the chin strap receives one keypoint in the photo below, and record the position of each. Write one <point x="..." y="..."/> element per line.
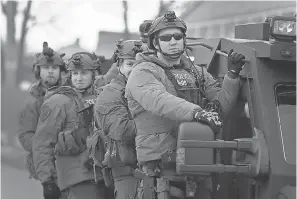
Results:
<point x="83" y="90"/>
<point x="173" y="55"/>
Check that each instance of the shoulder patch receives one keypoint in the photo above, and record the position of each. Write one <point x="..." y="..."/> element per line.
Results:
<point x="45" y="112"/>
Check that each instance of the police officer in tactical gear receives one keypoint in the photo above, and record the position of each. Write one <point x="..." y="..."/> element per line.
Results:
<point x="114" y="118"/>
<point x="66" y="119"/>
<point x="168" y="89"/>
<point x="47" y="71"/>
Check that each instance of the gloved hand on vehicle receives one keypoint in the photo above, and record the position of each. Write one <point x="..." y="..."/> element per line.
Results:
<point x="213" y="106"/>
<point x="212" y="119"/>
<point x="88" y="163"/>
<point x="51" y="190"/>
<point x="235" y="63"/>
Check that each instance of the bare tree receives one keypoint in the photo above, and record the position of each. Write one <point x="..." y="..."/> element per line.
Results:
<point x="126" y="31"/>
<point x="2" y="65"/>
<point x="164" y="7"/>
<point x="9" y="9"/>
<point x="21" y="47"/>
<point x="15" y="50"/>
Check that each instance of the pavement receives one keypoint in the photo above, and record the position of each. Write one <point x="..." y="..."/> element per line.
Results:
<point x="15" y="184"/>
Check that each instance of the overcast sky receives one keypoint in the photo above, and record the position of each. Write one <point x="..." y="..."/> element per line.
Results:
<point x="80" y="19"/>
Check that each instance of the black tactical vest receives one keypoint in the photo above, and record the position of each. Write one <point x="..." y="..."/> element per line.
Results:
<point x="184" y="77"/>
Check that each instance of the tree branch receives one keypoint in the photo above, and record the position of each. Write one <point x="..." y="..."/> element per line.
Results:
<point x="24" y="31"/>
<point x="126" y="31"/>
<point x="52" y="20"/>
<point x="4" y="9"/>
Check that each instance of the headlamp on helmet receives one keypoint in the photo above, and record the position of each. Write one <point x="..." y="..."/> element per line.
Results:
<point x="170" y="16"/>
<point x="85" y="60"/>
<point x="128" y="49"/>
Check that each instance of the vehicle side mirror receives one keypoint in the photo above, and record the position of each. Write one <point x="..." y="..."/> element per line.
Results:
<point x="190" y="151"/>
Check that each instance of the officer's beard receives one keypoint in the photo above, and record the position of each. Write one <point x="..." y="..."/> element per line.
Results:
<point x="172" y="57"/>
<point x="169" y="60"/>
<point x="50" y="82"/>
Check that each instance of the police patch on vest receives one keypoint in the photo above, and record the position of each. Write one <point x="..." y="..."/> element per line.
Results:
<point x="89" y="100"/>
<point x="183" y="78"/>
<point x="45" y="112"/>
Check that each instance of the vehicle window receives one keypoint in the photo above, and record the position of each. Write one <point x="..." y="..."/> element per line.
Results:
<point x="286" y="108"/>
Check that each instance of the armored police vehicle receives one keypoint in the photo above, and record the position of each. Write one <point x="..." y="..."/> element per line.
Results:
<point x="254" y="156"/>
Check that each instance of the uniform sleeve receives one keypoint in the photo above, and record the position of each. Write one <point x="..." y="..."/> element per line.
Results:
<point x="28" y="120"/>
<point x="145" y="87"/>
<point x="114" y="119"/>
<point x="103" y="80"/>
<point x="45" y="138"/>
<point x="111" y="73"/>
<point x="227" y="94"/>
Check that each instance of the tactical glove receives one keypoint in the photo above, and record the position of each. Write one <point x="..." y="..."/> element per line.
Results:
<point x="51" y="190"/>
<point x="114" y="58"/>
<point x="88" y="163"/>
<point x="235" y="63"/>
<point x="212" y="119"/>
<point x="213" y="106"/>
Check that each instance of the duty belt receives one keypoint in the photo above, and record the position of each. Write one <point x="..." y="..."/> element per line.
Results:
<point x="122" y="171"/>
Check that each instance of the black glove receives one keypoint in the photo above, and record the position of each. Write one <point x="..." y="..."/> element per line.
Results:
<point x="212" y="119"/>
<point x="213" y="106"/>
<point x="88" y="163"/>
<point x="51" y="190"/>
<point x="114" y="58"/>
<point x="235" y="63"/>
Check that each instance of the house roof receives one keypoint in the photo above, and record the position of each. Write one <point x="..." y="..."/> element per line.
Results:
<point x="189" y="7"/>
<point x="106" y="43"/>
<point x="209" y="10"/>
<point x="71" y="49"/>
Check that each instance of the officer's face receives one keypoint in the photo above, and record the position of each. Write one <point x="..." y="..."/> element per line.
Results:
<point x="144" y="39"/>
<point x="50" y="75"/>
<point x="81" y="79"/>
<point x="170" y="40"/>
<point x="126" y="67"/>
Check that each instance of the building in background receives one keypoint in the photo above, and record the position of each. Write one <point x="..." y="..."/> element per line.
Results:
<point x="214" y="19"/>
<point x="106" y="42"/>
<point x="71" y="49"/>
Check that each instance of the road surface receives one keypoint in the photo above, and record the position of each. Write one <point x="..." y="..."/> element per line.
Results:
<point x="15" y="184"/>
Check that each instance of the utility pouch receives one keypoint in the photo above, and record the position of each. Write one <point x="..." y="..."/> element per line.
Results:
<point x="67" y="144"/>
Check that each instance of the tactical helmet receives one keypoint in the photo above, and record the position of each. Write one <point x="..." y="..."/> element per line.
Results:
<point x="84" y="60"/>
<point x="128" y="49"/>
<point x="169" y="20"/>
<point x="48" y="57"/>
<point x="144" y="28"/>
